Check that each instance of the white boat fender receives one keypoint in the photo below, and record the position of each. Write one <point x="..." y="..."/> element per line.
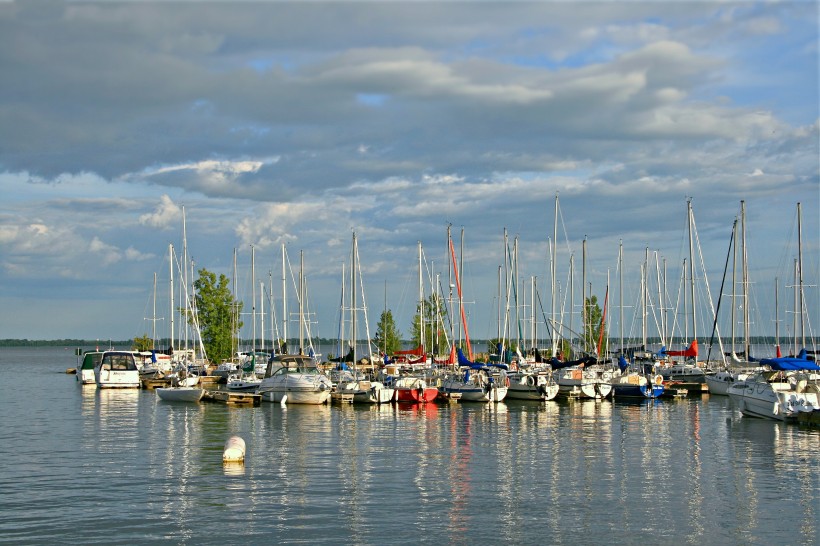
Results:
<point x="284" y="400"/>
<point x="234" y="450"/>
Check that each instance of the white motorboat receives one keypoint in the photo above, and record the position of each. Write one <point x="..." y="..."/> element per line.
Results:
<point x="85" y="371"/>
<point x="787" y="387"/>
<point x="117" y="369"/>
<point x="296" y="377"/>
<point x="719" y="382"/>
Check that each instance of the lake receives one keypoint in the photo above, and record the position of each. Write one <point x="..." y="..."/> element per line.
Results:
<point x="83" y="466"/>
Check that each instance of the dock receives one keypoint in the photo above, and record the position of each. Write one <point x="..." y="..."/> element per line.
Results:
<point x="154" y="382"/>
<point x="341" y="397"/>
<point x="233" y="398"/>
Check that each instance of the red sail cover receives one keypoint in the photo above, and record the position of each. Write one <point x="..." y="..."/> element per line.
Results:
<point x="691" y="351"/>
<point x="418" y="351"/>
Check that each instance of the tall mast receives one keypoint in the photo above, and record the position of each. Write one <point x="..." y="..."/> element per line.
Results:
<point x="353" y="296"/>
<point x="800" y="276"/>
<point x="621" y="292"/>
<point x="734" y="284"/>
<point x="302" y="302"/>
<point x="745" y="276"/>
<point x="171" y="292"/>
<point x="584" y="326"/>
<point x="253" y="300"/>
<point x="421" y="305"/>
<point x="284" y="299"/>
<point x="185" y="279"/>
<point x="554" y="280"/>
<point x="692" y="270"/>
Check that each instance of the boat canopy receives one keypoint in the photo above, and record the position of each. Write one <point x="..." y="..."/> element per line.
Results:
<point x="465" y="362"/>
<point x="791" y="363"/>
<point x="418" y="351"/>
<point x="585" y="361"/>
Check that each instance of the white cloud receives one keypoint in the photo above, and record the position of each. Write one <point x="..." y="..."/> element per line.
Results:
<point x="166" y="214"/>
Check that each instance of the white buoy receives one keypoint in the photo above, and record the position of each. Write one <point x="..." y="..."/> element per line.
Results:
<point x="234" y="450"/>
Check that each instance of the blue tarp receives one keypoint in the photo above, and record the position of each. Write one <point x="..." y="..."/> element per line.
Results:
<point x="790" y="363"/>
<point x="464" y="361"/>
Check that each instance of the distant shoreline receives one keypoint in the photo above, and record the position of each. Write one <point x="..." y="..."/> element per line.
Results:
<point x="755" y="340"/>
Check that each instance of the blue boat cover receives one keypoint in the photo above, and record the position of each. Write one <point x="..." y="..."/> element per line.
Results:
<point x="791" y="363"/>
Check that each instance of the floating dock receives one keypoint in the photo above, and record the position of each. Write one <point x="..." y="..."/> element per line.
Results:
<point x="234" y="398"/>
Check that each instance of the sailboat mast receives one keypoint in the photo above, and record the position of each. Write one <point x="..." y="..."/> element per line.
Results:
<point x="621" y="292"/>
<point x="185" y="278"/>
<point x="253" y="301"/>
<point x="171" y="293"/>
<point x="302" y="302"/>
<point x="745" y="276"/>
<point x="800" y="275"/>
<point x="421" y="305"/>
<point x="154" y="321"/>
<point x="554" y="280"/>
<point x="353" y="298"/>
<point x="584" y="325"/>
<point x="734" y="285"/>
<point x="284" y="299"/>
<point x="692" y="270"/>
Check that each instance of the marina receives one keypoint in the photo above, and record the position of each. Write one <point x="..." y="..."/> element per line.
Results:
<point x="522" y="471"/>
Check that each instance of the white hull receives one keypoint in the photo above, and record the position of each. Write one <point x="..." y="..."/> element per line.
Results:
<point x="531" y="387"/>
<point x="778" y="400"/>
<point x="587" y="383"/>
<point x="471" y="393"/>
<point x="180" y="394"/>
<point x="86" y="377"/>
<point x="295" y="396"/>
<point x="368" y="392"/>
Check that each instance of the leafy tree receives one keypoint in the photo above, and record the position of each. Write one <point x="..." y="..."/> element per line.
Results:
<point x="387" y="337"/>
<point x="592" y="326"/>
<point x="143" y="343"/>
<point x="218" y="314"/>
<point x="435" y="312"/>
<point x="492" y="345"/>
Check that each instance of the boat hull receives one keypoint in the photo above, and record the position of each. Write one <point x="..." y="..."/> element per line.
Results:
<point x="180" y="394"/>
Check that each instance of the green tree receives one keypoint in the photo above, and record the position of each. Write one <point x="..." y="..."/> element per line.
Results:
<point x="592" y="326"/>
<point x="387" y="338"/>
<point x="435" y="312"/>
<point x="143" y="343"/>
<point x="218" y="314"/>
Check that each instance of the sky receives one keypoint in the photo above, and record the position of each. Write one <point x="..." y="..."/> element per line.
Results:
<point x="302" y="123"/>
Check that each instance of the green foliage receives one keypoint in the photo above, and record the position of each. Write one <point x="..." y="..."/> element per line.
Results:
<point x="218" y="314"/>
<point x="387" y="338"/>
<point x="143" y="343"/>
<point x="435" y="312"/>
<point x="592" y="326"/>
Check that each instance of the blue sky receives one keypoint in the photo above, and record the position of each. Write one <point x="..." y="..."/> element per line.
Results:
<point x="299" y="123"/>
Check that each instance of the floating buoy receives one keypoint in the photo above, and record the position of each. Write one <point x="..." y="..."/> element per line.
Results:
<point x="234" y="450"/>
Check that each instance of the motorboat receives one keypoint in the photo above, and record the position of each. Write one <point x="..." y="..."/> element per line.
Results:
<point x="784" y="388"/>
<point x="117" y="369"/>
<point x="85" y="371"/>
<point x="295" y="378"/>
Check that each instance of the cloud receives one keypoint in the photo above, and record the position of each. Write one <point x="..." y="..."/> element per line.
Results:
<point x="164" y="216"/>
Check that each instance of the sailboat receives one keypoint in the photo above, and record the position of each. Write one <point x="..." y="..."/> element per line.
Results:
<point x="364" y="391"/>
<point x="183" y="387"/>
<point x="686" y="368"/>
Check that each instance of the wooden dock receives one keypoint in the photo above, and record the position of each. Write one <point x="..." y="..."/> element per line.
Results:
<point x="341" y="397"/>
<point x="153" y="382"/>
<point x="232" y="398"/>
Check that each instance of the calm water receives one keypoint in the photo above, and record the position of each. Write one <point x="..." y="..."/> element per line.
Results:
<point x="83" y="466"/>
